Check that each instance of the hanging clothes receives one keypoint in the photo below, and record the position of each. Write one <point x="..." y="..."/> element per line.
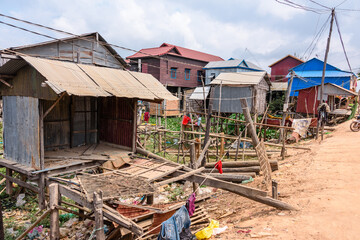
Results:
<point x="146" y="116"/>
<point x="171" y="228"/>
<point x="190" y="204"/>
<point x="186" y="120"/>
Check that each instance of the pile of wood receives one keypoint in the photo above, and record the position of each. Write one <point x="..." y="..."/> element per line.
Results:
<point x="237" y="171"/>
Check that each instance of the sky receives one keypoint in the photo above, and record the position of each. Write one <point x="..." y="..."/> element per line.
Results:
<point x="260" y="31"/>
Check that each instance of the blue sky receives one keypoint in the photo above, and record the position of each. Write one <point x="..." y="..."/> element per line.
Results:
<point x="261" y="31"/>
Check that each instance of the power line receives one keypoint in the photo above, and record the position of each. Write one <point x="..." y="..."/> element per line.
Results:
<point x="342" y="42"/>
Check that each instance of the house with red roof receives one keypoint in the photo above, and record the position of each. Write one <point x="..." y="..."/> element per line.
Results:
<point x="175" y="67"/>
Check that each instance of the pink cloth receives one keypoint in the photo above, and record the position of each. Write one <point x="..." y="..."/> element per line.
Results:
<point x="190" y="204"/>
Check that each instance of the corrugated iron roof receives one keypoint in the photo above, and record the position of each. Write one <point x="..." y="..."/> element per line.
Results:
<point x="199" y="92"/>
<point x="166" y="48"/>
<point x="288" y="56"/>
<point x="117" y="82"/>
<point x="279" y="86"/>
<point x="239" y="78"/>
<point x="66" y="77"/>
<point x="151" y="83"/>
<point x="89" y="80"/>
<point x="233" y="63"/>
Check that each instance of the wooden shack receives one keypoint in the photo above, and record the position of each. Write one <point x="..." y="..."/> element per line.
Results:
<point x="62" y="116"/>
<point x="229" y="88"/>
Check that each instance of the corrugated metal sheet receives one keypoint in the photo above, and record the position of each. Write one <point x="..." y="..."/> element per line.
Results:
<point x="198" y="93"/>
<point x="240" y="78"/>
<point x="230" y="98"/>
<point x="318" y="74"/>
<point x="154" y="86"/>
<point x="10" y="67"/>
<point x="116" y="120"/>
<point x="118" y="82"/>
<point x="21" y="130"/>
<point x="279" y="86"/>
<point x="66" y="77"/>
<point x="232" y="63"/>
<point x="89" y="80"/>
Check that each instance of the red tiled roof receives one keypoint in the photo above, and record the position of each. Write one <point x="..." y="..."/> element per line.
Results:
<point x="166" y="48"/>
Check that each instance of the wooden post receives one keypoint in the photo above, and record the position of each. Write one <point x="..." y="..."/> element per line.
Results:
<point x="193" y="165"/>
<point x="134" y="134"/>
<point x="274" y="189"/>
<point x="41" y="184"/>
<point x="98" y="212"/>
<point x="150" y="199"/>
<point x="222" y="144"/>
<point x="2" y="234"/>
<point x="54" y="214"/>
<point x="243" y="148"/>
<point x="283" y="149"/>
<point x="9" y="187"/>
<point x="237" y="149"/>
<point x="165" y="125"/>
<point x="208" y="122"/>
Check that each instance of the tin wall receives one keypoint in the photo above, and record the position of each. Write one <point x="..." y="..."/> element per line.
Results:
<point x="230" y="98"/>
<point x="116" y="120"/>
<point x="21" y="130"/>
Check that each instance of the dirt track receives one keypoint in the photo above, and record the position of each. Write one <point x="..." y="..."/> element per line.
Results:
<point x="323" y="183"/>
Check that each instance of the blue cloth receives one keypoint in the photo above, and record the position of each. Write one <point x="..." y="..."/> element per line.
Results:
<point x="171" y="228"/>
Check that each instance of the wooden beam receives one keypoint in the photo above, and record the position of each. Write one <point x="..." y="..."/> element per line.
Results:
<point x="20" y="183"/>
<point x="54" y="104"/>
<point x="181" y="177"/>
<point x="251" y="193"/>
<point x="167" y="173"/>
<point x="6" y="83"/>
<point x="98" y="211"/>
<point x="9" y="178"/>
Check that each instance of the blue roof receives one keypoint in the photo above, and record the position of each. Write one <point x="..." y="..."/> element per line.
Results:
<point x="329" y="74"/>
<point x="309" y="74"/>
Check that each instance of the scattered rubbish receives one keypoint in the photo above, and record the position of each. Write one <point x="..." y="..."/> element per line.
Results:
<point x="20" y="200"/>
<point x="11" y="231"/>
<point x="217" y="231"/>
<point x="260" y="235"/>
<point x="70" y="222"/>
<point x="248" y="181"/>
<point x="281" y="214"/>
<point x="244" y="231"/>
<point x="208" y="231"/>
<point x="35" y="233"/>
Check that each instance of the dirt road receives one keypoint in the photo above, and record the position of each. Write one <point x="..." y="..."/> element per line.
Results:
<point x="323" y="183"/>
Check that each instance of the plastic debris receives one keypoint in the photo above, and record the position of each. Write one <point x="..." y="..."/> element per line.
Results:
<point x="208" y="231"/>
<point x="217" y="231"/>
<point x="20" y="200"/>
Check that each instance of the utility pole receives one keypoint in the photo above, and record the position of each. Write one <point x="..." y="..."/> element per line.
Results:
<point x="324" y="68"/>
<point x="286" y="104"/>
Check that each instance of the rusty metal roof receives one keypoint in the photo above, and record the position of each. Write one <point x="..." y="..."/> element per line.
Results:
<point x="117" y="82"/>
<point x="66" y="77"/>
<point x="89" y="80"/>
<point x="153" y="85"/>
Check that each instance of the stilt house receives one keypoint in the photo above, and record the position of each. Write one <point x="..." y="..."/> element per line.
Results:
<point x="55" y="111"/>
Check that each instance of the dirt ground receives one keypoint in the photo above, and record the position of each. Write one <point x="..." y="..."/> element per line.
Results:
<point x="324" y="184"/>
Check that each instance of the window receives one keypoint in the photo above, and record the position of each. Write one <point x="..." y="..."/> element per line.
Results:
<point x="199" y="76"/>
<point x="173" y="73"/>
<point x="187" y="73"/>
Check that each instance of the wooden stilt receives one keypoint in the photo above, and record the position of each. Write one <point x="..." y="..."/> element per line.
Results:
<point x="193" y="165"/>
<point x="54" y="214"/>
<point x="98" y="211"/>
<point x="9" y="187"/>
<point x="41" y="197"/>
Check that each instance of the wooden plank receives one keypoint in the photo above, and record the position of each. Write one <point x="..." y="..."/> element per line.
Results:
<point x="166" y="173"/>
<point x="108" y="212"/>
<point x="251" y="193"/>
<point x="150" y="169"/>
<point x="234" y="170"/>
<point x="238" y="164"/>
<point x="54" y="215"/>
<point x="16" y="167"/>
<point x="21" y="183"/>
<point x="6" y="83"/>
<point x="41" y="197"/>
<point x="181" y="177"/>
<point x="48" y="170"/>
